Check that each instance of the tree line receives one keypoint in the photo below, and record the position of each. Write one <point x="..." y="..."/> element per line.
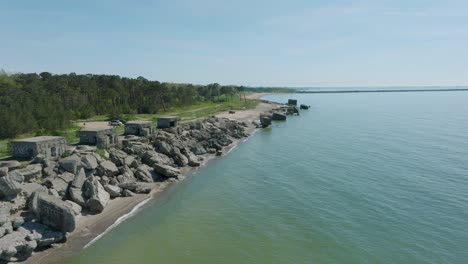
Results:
<point x="47" y="102"/>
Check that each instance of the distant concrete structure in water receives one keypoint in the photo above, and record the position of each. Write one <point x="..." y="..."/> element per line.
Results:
<point x="101" y="137"/>
<point x="139" y="128"/>
<point x="292" y="102"/>
<point x="168" y="121"/>
<point x="48" y="146"/>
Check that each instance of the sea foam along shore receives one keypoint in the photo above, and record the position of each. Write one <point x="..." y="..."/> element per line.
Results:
<point x="91" y="227"/>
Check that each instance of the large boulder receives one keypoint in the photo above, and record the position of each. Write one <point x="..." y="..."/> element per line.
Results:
<point x="163" y="147"/>
<point x="198" y="149"/>
<point x="107" y="168"/>
<point x="8" y="186"/>
<point x="144" y="173"/>
<point x="152" y="157"/>
<point x="166" y="170"/>
<point x="60" y="183"/>
<point x="96" y="194"/>
<point x="114" y="191"/>
<point x="10" y="164"/>
<point x="79" y="179"/>
<point x="118" y="157"/>
<point x="75" y="207"/>
<point x="137" y="187"/>
<point x="89" y="162"/>
<point x="30" y="172"/>
<point x="77" y="196"/>
<point x="131" y="162"/>
<point x="54" y="212"/>
<point x="192" y="159"/>
<point x="29" y="188"/>
<point x="179" y="158"/>
<point x="70" y="164"/>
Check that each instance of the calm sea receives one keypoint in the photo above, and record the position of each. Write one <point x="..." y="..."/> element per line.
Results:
<point x="358" y="178"/>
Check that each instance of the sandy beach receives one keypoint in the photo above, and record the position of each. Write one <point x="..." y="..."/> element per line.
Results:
<point x="91" y="226"/>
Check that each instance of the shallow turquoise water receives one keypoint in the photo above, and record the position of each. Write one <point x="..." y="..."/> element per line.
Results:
<point x="359" y="178"/>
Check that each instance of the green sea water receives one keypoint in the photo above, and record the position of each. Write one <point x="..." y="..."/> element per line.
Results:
<point x="358" y="178"/>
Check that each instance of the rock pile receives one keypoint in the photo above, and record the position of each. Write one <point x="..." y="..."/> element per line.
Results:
<point x="50" y="194"/>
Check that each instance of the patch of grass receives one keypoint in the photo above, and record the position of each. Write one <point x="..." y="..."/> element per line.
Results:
<point x="101" y="152"/>
<point x="190" y="113"/>
<point x="4" y="149"/>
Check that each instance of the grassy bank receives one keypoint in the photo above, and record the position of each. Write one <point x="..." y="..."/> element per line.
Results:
<point x="189" y="113"/>
<point x="186" y="114"/>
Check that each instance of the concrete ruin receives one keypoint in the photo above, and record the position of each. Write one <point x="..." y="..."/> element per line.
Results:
<point x="292" y="102"/>
<point x="48" y="146"/>
<point x="139" y="128"/>
<point x="168" y="121"/>
<point x="101" y="137"/>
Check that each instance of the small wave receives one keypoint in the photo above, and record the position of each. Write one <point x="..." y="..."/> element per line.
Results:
<point x="233" y="147"/>
<point x="118" y="221"/>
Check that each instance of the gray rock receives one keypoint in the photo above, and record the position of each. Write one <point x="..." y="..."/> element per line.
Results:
<point x="107" y="168"/>
<point x="70" y="164"/>
<point x="152" y="157"/>
<point x="166" y="170"/>
<point x="163" y="147"/>
<point x="114" y="181"/>
<point x="10" y="164"/>
<point x="198" y="149"/>
<point x="75" y="207"/>
<point x="145" y="173"/>
<point x="53" y="192"/>
<point x="17" y="222"/>
<point x="130" y="161"/>
<point x="79" y="179"/>
<point x="19" y="203"/>
<point x="58" y="184"/>
<point x="43" y="234"/>
<point x="6" y="229"/>
<point x="33" y="201"/>
<point x="192" y="159"/>
<point x="118" y="157"/>
<point x="104" y="180"/>
<point x="49" y="172"/>
<point x="67" y="177"/>
<point x="89" y="162"/>
<point x="128" y="193"/>
<point x="97" y="196"/>
<point x="29" y="188"/>
<point x="3" y="171"/>
<point x="98" y="157"/>
<point x="8" y="186"/>
<point x="114" y="191"/>
<point x="137" y="187"/>
<point x="17" y="176"/>
<point x="54" y="212"/>
<point x="77" y="196"/>
<point x="4" y="214"/>
<point x="179" y="158"/>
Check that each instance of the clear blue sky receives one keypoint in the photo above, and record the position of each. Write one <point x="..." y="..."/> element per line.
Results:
<point x="248" y="42"/>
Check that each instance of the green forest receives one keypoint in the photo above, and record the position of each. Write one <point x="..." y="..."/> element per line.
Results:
<point x="45" y="102"/>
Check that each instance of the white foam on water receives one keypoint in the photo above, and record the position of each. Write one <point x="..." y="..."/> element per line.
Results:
<point x="118" y="221"/>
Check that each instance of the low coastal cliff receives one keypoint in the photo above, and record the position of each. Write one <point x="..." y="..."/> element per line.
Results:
<point x="48" y="202"/>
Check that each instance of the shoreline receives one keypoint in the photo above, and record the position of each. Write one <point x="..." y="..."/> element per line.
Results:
<point x="91" y="228"/>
